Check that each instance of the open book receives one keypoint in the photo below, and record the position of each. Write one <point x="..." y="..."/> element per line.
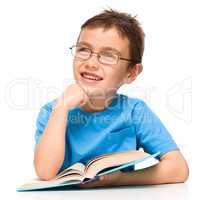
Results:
<point x="100" y="165"/>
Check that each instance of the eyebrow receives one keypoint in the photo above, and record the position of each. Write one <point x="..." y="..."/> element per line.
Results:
<point x="107" y="48"/>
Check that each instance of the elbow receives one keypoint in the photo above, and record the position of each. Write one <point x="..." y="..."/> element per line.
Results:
<point x="182" y="173"/>
<point x="185" y="175"/>
<point x="181" y="179"/>
<point x="43" y="173"/>
<point x="176" y="167"/>
<point x="44" y="176"/>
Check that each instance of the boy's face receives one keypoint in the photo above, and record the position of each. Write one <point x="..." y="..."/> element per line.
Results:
<point x="111" y="77"/>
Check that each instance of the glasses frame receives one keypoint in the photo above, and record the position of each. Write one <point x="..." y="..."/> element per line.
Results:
<point x="99" y="55"/>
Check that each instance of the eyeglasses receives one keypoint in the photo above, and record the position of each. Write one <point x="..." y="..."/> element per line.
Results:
<point x="104" y="57"/>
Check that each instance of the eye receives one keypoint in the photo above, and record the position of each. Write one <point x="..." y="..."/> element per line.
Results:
<point x="109" y="55"/>
<point x="82" y="50"/>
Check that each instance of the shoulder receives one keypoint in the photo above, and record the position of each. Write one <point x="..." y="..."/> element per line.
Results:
<point x="46" y="108"/>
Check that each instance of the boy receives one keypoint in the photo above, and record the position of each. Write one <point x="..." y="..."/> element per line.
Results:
<point x="90" y="118"/>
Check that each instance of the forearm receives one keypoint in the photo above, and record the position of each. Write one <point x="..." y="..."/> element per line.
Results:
<point x="171" y="169"/>
<point x="50" y="151"/>
<point x="165" y="172"/>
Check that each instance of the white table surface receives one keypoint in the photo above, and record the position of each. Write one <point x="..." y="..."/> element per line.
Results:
<point x="157" y="192"/>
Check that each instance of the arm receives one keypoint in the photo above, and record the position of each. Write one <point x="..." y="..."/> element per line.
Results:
<point x="171" y="169"/>
<point x="50" y="151"/>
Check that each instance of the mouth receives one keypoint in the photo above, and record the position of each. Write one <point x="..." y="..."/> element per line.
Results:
<point x="90" y="77"/>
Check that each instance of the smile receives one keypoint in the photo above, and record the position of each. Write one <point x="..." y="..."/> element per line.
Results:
<point x="90" y="77"/>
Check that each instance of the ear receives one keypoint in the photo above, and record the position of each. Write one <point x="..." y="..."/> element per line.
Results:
<point x="133" y="72"/>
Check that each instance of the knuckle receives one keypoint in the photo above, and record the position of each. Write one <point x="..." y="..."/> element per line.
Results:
<point x="104" y="178"/>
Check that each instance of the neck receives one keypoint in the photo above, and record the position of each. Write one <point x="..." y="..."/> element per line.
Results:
<point x="96" y="104"/>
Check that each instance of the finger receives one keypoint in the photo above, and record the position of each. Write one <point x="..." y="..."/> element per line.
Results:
<point x="102" y="182"/>
<point x="110" y="179"/>
<point x="90" y="184"/>
<point x="82" y="87"/>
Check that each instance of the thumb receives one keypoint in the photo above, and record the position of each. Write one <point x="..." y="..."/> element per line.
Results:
<point x="84" y="100"/>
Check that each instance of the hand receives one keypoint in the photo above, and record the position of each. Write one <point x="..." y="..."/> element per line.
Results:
<point x="72" y="97"/>
<point x="104" y="181"/>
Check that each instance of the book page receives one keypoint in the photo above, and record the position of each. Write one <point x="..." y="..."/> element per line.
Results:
<point x="147" y="163"/>
<point x="39" y="184"/>
<point x="97" y="158"/>
<point x="113" y="160"/>
<point x="77" y="168"/>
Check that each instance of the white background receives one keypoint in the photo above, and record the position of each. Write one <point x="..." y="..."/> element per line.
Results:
<point x="35" y="67"/>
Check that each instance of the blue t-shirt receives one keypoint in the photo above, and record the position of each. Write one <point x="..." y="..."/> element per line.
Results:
<point x="127" y="124"/>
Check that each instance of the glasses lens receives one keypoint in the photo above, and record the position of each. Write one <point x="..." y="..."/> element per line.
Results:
<point x="108" y="58"/>
<point x="81" y="52"/>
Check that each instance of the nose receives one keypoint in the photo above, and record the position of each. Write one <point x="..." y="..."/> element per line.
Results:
<point x="92" y="62"/>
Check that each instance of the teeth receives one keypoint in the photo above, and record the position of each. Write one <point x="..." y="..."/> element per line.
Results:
<point x="91" y="77"/>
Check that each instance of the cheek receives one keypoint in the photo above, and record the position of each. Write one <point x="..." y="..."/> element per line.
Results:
<point x="77" y="63"/>
<point x="115" y="78"/>
<point x="76" y="66"/>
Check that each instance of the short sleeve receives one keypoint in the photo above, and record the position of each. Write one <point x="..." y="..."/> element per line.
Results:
<point x="42" y="120"/>
<point x="151" y="134"/>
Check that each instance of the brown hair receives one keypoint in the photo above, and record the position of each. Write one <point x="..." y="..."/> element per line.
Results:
<point x="126" y="25"/>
